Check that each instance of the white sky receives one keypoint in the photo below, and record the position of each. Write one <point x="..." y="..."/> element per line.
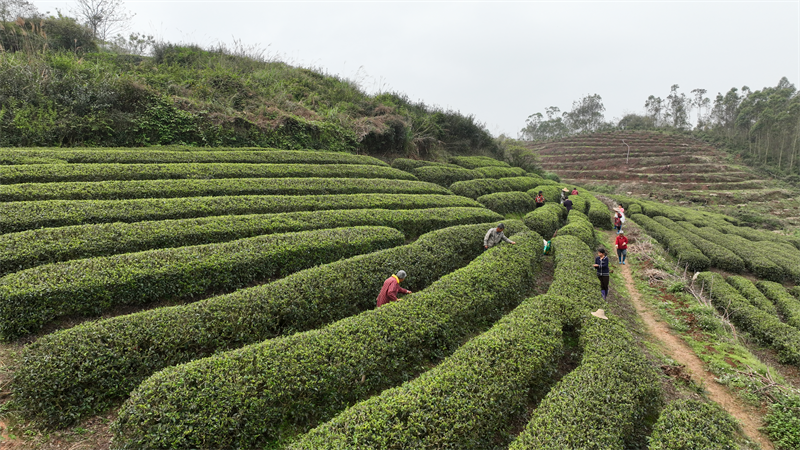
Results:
<point x="502" y="61"/>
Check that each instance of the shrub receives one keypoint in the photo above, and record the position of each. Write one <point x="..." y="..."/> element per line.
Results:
<point x="578" y="225"/>
<point x="268" y="392"/>
<point x="498" y="172"/>
<point x="551" y="193"/>
<point x="410" y="164"/>
<point x="483" y="186"/>
<point x="442" y="175"/>
<point x="763" y="326"/>
<point x="752" y="294"/>
<point x="152" y="156"/>
<point x="81" y="371"/>
<point x="599" y="214"/>
<point x="580" y="204"/>
<point x="551" y="176"/>
<point x="759" y="235"/>
<point x="633" y="209"/>
<point x="574" y="277"/>
<point x="786" y="304"/>
<point x="795" y="291"/>
<point x="116" y="190"/>
<point x="473" y="162"/>
<point x="34" y="297"/>
<point x="20" y="216"/>
<point x="51" y="173"/>
<point x="783" y="422"/>
<point x="783" y="255"/>
<point x="719" y="256"/>
<point x="678" y="246"/>
<point x="691" y="424"/>
<point x="32" y="248"/>
<point x="545" y="220"/>
<point x="508" y="202"/>
<point x="468" y="401"/>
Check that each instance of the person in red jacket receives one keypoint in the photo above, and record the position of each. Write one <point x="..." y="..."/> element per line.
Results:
<point x="621" y="244"/>
<point x="391" y="287"/>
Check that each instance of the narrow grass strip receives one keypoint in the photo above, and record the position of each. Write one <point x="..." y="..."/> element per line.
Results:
<point x="34" y="297"/>
<point x="32" y="248"/>
<point x="82" y="371"/>
<point x="263" y="394"/>
<point x="50" y="173"/>
<point x="118" y="190"/>
<point x="21" y="216"/>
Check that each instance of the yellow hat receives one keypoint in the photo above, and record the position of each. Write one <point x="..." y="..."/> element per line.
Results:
<point x="600" y="313"/>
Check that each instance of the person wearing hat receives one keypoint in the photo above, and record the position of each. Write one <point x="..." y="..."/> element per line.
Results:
<point x="539" y="199"/>
<point x="494" y="236"/>
<point x="603" y="272"/>
<point x="564" y="195"/>
<point x="621" y="244"/>
<point x="391" y="287"/>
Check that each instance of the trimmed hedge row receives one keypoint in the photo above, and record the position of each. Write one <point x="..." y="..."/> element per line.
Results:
<point x="719" y="256"/>
<point x="508" y="202"/>
<point x="498" y="172"/>
<point x="580" y="204"/>
<point x="443" y="175"/>
<point x="483" y="186"/>
<point x="784" y="255"/>
<point x="21" y="216"/>
<point x="408" y="165"/>
<point x="599" y="214"/>
<point x="766" y="327"/>
<point x="654" y="209"/>
<point x="545" y="220"/>
<point x="760" y="235"/>
<point x="470" y="400"/>
<point x="634" y="209"/>
<point x="578" y="225"/>
<point x="604" y="402"/>
<point x="788" y="306"/>
<point x="473" y="162"/>
<point x="31" y="298"/>
<point x="51" y="173"/>
<point x="32" y="248"/>
<point x="692" y="425"/>
<point x="752" y="294"/>
<point x="675" y="242"/>
<point x="81" y="371"/>
<point x="116" y="190"/>
<point x="795" y="291"/>
<point x="151" y="156"/>
<point x="266" y="393"/>
<point x="755" y="259"/>
<point x="551" y="193"/>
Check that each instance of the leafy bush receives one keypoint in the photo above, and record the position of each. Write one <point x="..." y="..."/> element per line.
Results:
<point x="578" y="225"/>
<point x="599" y="214"/>
<point x="752" y="294"/>
<point x="410" y="164"/>
<point x="545" y="220"/>
<point x="551" y="176"/>
<point x="786" y="304"/>
<point x="498" y="172"/>
<point x="467" y="401"/>
<point x="31" y="298"/>
<point x="483" y="186"/>
<point x="633" y="209"/>
<point x="20" y="216"/>
<point x="691" y="424"/>
<point x="759" y="235"/>
<point x="32" y="248"/>
<point x="150" y="156"/>
<point x="675" y="242"/>
<point x="795" y="291"/>
<point x="763" y="326"/>
<point x="116" y="190"/>
<point x="473" y="162"/>
<point x="508" y="202"/>
<point x="81" y="371"/>
<point x="719" y="256"/>
<point x="443" y="175"/>
<point x="580" y="204"/>
<point x="551" y="193"/>
<point x="51" y="173"/>
<point x="783" y="422"/>
<point x="262" y="394"/>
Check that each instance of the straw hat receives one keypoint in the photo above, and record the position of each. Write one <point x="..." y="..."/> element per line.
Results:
<point x="600" y="313"/>
<point x="565" y="190"/>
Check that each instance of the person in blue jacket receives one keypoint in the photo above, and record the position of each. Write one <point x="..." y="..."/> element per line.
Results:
<point x="601" y="264"/>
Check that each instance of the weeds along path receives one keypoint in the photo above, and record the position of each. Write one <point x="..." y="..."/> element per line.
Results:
<point x="678" y="350"/>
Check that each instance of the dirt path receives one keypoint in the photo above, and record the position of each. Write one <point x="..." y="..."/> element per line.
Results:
<point x="680" y="351"/>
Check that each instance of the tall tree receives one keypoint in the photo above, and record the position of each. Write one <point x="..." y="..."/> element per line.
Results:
<point x="655" y="109"/>
<point x="586" y="114"/>
<point x="677" y="111"/>
<point x="103" y="17"/>
<point x="10" y="10"/>
<point x="700" y="102"/>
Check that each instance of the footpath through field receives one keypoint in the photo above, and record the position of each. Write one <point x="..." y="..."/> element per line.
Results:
<point x="680" y="351"/>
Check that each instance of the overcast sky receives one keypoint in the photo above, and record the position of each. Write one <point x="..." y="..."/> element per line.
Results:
<point x="502" y="61"/>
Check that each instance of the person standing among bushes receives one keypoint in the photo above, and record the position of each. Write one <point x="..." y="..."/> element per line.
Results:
<point x="621" y="244"/>
<point x="539" y="199"/>
<point x="564" y="195"/>
<point x="603" y="272"/>
<point x="568" y="205"/>
<point x="391" y="287"/>
<point x="494" y="236"/>
<point x="618" y="223"/>
<point x="574" y="191"/>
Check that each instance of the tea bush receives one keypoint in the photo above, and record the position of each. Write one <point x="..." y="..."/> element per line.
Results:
<point x="410" y="164"/>
<point x="483" y="186"/>
<point x="498" y="172"/>
<point x="20" y="216"/>
<point x="759" y="235"/>
<point x="678" y="245"/>
<point x="551" y="193"/>
<point x="32" y="298"/>
<point x="752" y="294"/>
<point x="691" y="424"/>
<point x="51" y="173"/>
<point x="473" y="162"/>
<point x="81" y="371"/>
<point x="545" y="220"/>
<point x="787" y="305"/>
<point x="599" y="215"/>
<point x="508" y="202"/>
<point x="578" y="225"/>
<point x="443" y="175"/>
<point x="783" y="422"/>
<point x="795" y="291"/>
<point x="720" y="257"/>
<point x="265" y="393"/>
<point x="31" y="248"/>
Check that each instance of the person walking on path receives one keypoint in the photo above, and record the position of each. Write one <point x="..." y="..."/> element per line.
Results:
<point x="621" y="244"/>
<point x="618" y="223"/>
<point x="494" y="236"/>
<point x="603" y="273"/>
<point x="539" y="199"/>
<point x="391" y="287"/>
